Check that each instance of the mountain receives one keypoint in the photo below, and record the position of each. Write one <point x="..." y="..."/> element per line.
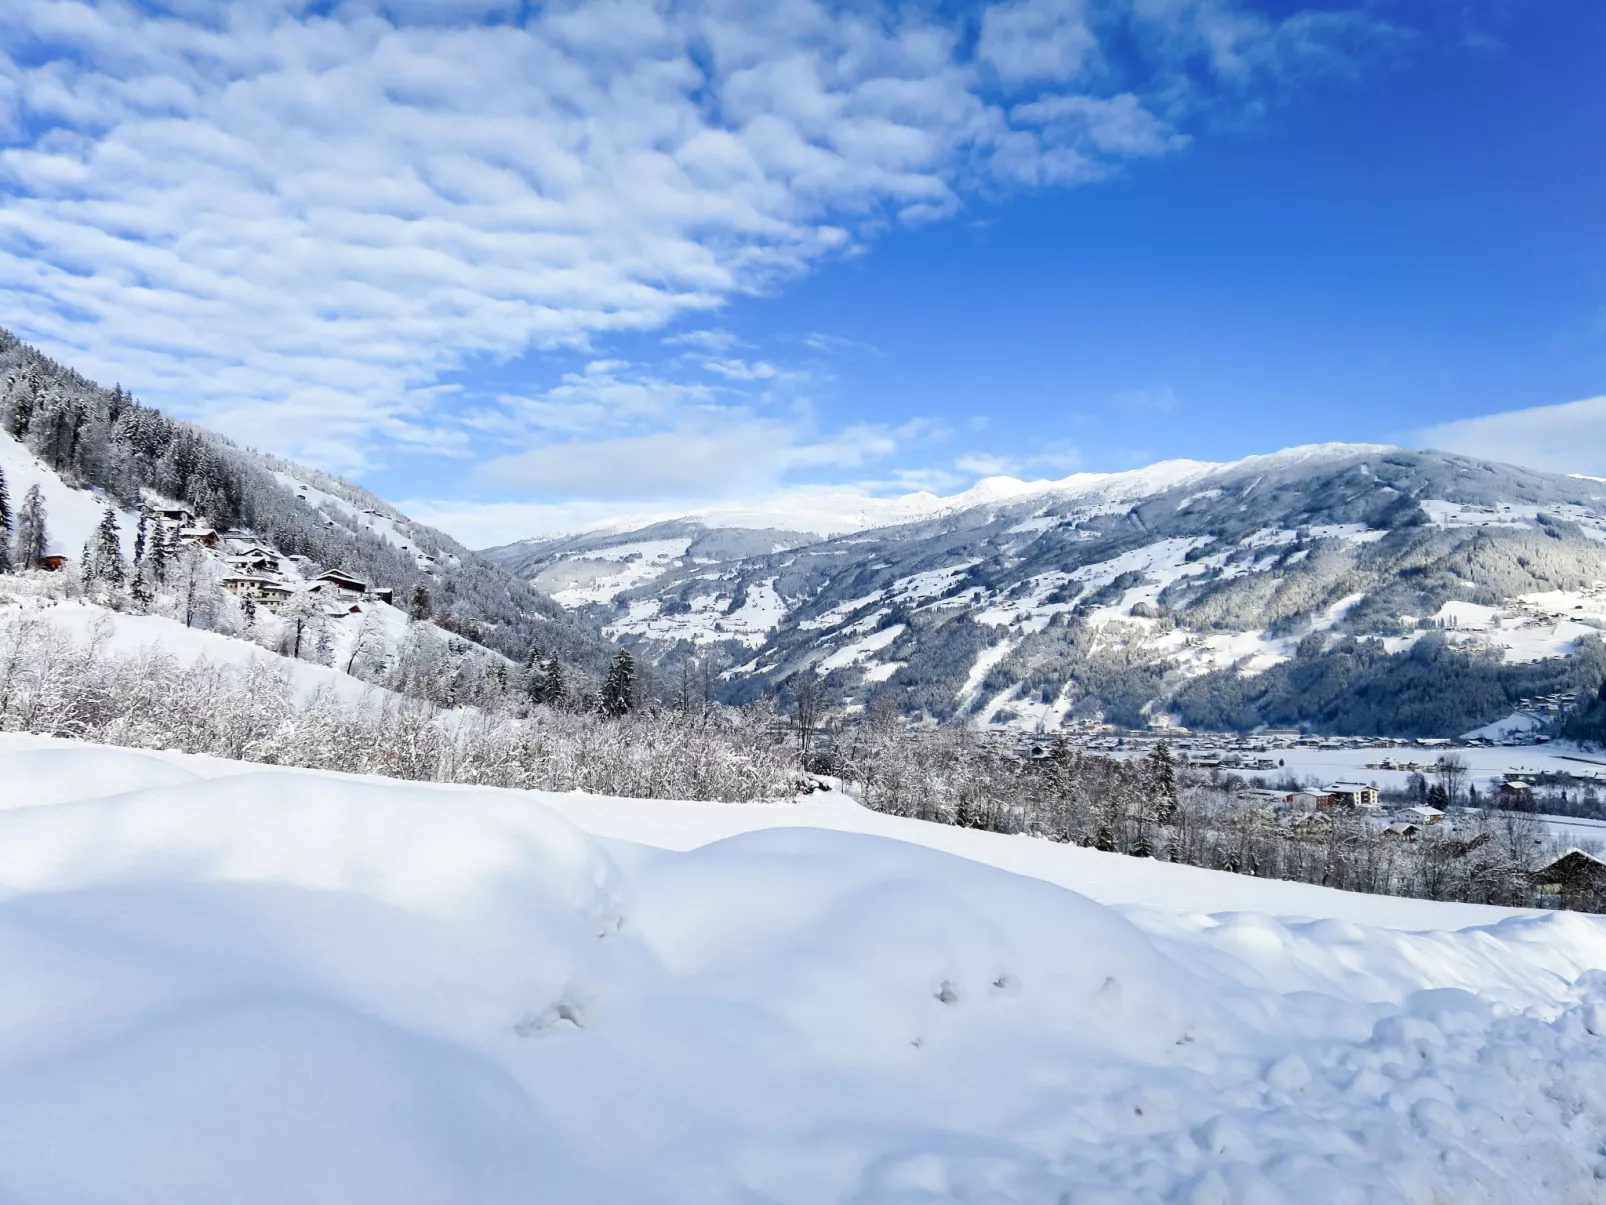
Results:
<point x="1341" y="587"/>
<point x="88" y="447"/>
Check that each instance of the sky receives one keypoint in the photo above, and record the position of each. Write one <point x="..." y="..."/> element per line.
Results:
<point x="527" y="268"/>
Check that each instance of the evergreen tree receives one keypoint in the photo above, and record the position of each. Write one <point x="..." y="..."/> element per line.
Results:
<point x="139" y="589"/>
<point x="618" y="688"/>
<point x="554" y="690"/>
<point x="5" y="526"/>
<point x="108" y="550"/>
<point x="141" y="535"/>
<point x="32" y="535"/>
<point x="421" y="606"/>
<point x="163" y="551"/>
<point x="1163" y="782"/>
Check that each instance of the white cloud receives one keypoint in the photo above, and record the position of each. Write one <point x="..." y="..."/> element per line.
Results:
<point x="291" y="220"/>
<point x="1037" y="40"/>
<point x="1566" y="438"/>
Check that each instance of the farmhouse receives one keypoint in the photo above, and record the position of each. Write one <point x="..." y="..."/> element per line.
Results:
<point x="258" y="589"/>
<point x="204" y="536"/>
<point x="1570" y="875"/>
<point x="1516" y="793"/>
<point x="1310" y="800"/>
<point x="1358" y="795"/>
<point x="342" y="585"/>
<point x="1421" y="814"/>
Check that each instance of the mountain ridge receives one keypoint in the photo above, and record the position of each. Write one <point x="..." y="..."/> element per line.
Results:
<point x="1117" y="595"/>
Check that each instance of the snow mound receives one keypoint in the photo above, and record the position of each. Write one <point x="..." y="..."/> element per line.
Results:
<point x="239" y="983"/>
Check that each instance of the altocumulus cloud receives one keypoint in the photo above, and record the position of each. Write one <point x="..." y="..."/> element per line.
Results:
<point x="289" y="219"/>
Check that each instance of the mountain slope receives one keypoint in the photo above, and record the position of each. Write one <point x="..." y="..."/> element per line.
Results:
<point x="1174" y="590"/>
<point x="88" y="447"/>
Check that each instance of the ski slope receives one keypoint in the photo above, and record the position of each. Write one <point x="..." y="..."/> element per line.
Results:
<point x="227" y="982"/>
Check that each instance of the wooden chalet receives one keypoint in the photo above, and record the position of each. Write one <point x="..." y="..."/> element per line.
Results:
<point x="204" y="536"/>
<point x="1569" y="877"/>
<point x="1421" y="814"/>
<point x="1363" y="797"/>
<point x="342" y="585"/>
<point x="263" y="590"/>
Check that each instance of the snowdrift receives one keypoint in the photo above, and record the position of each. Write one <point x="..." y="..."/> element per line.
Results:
<point x="234" y="983"/>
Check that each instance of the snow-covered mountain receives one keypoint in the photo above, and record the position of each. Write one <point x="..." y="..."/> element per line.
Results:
<point x="1343" y="586"/>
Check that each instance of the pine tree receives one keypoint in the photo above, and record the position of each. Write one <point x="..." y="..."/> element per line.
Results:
<point x="422" y="606"/>
<point x="554" y="690"/>
<point x="1163" y="783"/>
<point x="618" y="688"/>
<point x="5" y="526"/>
<point x="32" y="536"/>
<point x="140" y="538"/>
<point x="162" y="552"/>
<point x="108" y="550"/>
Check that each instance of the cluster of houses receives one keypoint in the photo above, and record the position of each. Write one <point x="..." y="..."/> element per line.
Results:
<point x="258" y="573"/>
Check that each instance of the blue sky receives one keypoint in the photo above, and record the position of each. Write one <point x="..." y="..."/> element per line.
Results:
<point x="532" y="268"/>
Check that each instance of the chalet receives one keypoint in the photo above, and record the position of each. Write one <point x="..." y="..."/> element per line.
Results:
<point x="1267" y="798"/>
<point x="253" y="563"/>
<point x="1515" y="791"/>
<point x="1420" y="814"/>
<point x="1358" y="795"/>
<point x="342" y="585"/>
<point x="383" y="593"/>
<point x="1569" y="875"/>
<point x="264" y="590"/>
<point x="181" y="515"/>
<point x="51" y="562"/>
<point x="1401" y="831"/>
<point x="1308" y="801"/>
<point x="204" y="536"/>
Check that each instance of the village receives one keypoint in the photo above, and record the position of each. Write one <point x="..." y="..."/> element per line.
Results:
<point x="257" y="574"/>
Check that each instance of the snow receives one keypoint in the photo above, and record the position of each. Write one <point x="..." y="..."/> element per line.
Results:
<point x="861" y="649"/>
<point x="981" y="667"/>
<point x="258" y="985"/>
<point x="387" y="527"/>
<point x="710" y="619"/>
<point x="1499" y="730"/>
<point x="71" y="515"/>
<point x="123" y="634"/>
<point x="248" y="984"/>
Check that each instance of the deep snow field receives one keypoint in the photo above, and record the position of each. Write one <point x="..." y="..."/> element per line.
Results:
<point x="231" y="983"/>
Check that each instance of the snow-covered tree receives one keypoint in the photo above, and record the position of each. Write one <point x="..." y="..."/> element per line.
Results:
<point x="302" y="618"/>
<point x="104" y="560"/>
<point x="618" y="694"/>
<point x="5" y="525"/>
<point x="32" y="537"/>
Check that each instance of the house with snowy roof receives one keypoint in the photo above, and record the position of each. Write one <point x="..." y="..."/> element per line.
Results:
<point x="1358" y="795"/>
<point x="1569" y="875"/>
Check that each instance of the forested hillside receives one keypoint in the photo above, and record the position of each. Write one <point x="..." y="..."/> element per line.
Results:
<point x="1344" y="588"/>
<point x="103" y="439"/>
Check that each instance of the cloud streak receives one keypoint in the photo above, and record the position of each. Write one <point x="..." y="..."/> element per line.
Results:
<point x="1566" y="438"/>
<point x="290" y="221"/>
